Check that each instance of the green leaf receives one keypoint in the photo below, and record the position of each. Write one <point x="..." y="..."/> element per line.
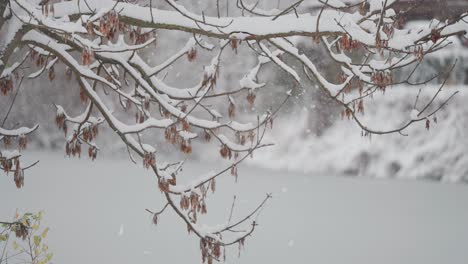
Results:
<point x="44" y="233"/>
<point x="3" y="238"/>
<point x="37" y="240"/>
<point x="15" y="245"/>
<point x="49" y="257"/>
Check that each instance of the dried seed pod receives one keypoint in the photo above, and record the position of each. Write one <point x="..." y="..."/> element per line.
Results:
<point x="149" y="160"/>
<point x="192" y="54"/>
<point x="6" y="85"/>
<point x="87" y="56"/>
<point x="90" y="28"/>
<point x="207" y="136"/>
<point x="360" y="108"/>
<point x="251" y="137"/>
<point x="18" y="175"/>
<point x="51" y="74"/>
<point x="234" y="171"/>
<point x="155" y="219"/>
<point x="234" y="44"/>
<point x="167" y="134"/>
<point x="224" y="152"/>
<point x="184" y="202"/>
<point x="146" y="103"/>
<point x="95" y="130"/>
<point x="231" y="110"/>
<point x="173" y="180"/>
<point x="83" y="95"/>
<point x="251" y="97"/>
<point x="216" y="251"/>
<point x="185" y="125"/>
<point x="183" y="108"/>
<point x="185" y="146"/>
<point x="163" y="186"/>
<point x="435" y="35"/>
<point x="242" y="139"/>
<point x="7" y="141"/>
<point x="213" y="185"/>
<point x="203" y="208"/>
<point x="92" y="152"/>
<point x="22" y="142"/>
<point x="194" y="200"/>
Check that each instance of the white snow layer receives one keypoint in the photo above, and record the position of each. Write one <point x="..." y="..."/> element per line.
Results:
<point x="440" y="153"/>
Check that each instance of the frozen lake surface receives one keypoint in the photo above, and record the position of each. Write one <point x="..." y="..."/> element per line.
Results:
<point x="96" y="214"/>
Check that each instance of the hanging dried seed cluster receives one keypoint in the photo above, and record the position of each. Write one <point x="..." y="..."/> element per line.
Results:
<point x="7" y="141"/>
<point x="251" y="97"/>
<point x="21" y="230"/>
<point x="60" y="121"/>
<point x="87" y="56"/>
<point x="382" y="79"/>
<point x="155" y="219"/>
<point x="83" y="95"/>
<point x="207" y="136"/>
<point x="435" y="35"/>
<point x="7" y="164"/>
<point x="225" y="152"/>
<point x="231" y="109"/>
<point x="90" y="132"/>
<point x="388" y="29"/>
<point x="348" y="44"/>
<point x="341" y="79"/>
<point x="37" y="58"/>
<point x="346" y="113"/>
<point x="210" y="249"/>
<point x="13" y="164"/>
<point x="194" y="203"/>
<point x="234" y="171"/>
<point x="73" y="147"/>
<point x="234" y="44"/>
<point x="418" y="52"/>
<point x="428" y="124"/>
<point x="185" y="146"/>
<point x="22" y="142"/>
<point x="51" y="73"/>
<point x="92" y="152"/>
<point x="171" y="134"/>
<point x="18" y="175"/>
<point x="210" y="78"/>
<point x="6" y="85"/>
<point x="240" y="138"/>
<point x="381" y="44"/>
<point x="360" y="106"/>
<point x="192" y="54"/>
<point x="149" y="160"/>
<point x="138" y="37"/>
<point x="109" y="24"/>
<point x="140" y="116"/>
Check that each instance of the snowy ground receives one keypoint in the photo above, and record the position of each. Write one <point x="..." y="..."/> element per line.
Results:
<point x="312" y="219"/>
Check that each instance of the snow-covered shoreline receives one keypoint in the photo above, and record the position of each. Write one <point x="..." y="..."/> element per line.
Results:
<point x="438" y="154"/>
